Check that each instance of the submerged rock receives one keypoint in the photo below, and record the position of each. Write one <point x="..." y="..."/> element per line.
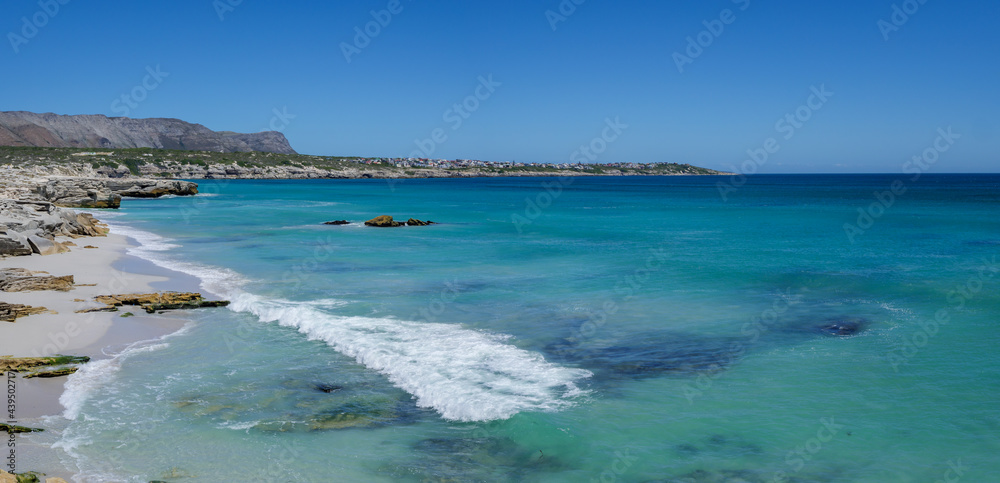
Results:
<point x="338" y="222"/>
<point x="842" y="327"/>
<point x="384" y="221"/>
<point x="474" y="459"/>
<point x="665" y="355"/>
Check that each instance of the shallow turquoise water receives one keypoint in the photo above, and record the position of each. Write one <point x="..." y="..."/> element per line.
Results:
<point x="588" y="329"/>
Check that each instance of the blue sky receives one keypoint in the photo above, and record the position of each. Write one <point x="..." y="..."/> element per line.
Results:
<point x="557" y="78"/>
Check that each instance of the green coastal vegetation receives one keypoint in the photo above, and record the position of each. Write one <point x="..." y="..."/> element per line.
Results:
<point x="149" y="162"/>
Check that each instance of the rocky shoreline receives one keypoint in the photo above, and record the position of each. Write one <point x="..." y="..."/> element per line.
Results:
<point x="33" y="207"/>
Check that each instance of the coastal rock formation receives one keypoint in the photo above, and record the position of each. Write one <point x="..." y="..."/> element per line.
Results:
<point x="384" y="221"/>
<point x="416" y="222"/>
<point x="338" y="222"/>
<point x="108" y="193"/>
<point x="11" y="312"/>
<point x="14" y="245"/>
<point x="79" y="193"/>
<point x="151" y="188"/>
<point x="20" y="221"/>
<point x="21" y="128"/>
<point x="153" y="302"/>
<point x="21" y="280"/>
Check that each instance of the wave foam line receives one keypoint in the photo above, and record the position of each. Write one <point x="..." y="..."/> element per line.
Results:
<point x="465" y="375"/>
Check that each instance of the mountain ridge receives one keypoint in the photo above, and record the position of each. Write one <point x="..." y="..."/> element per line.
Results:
<point x="29" y="129"/>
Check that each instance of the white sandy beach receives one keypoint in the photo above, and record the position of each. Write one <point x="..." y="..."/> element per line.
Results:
<point x="63" y="331"/>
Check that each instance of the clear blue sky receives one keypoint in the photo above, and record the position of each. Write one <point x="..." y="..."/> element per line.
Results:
<point x="939" y="68"/>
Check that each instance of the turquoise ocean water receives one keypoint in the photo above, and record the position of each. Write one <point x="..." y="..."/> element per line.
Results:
<point x="587" y="329"/>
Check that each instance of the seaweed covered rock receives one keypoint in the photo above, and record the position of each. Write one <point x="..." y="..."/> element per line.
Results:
<point x="21" y="364"/>
<point x="11" y="429"/>
<point x="153" y="302"/>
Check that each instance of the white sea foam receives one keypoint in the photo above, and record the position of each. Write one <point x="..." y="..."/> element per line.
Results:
<point x="465" y="375"/>
<point x="91" y="377"/>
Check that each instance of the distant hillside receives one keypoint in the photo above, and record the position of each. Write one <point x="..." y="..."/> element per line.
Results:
<point x="159" y="163"/>
<point x="29" y="129"/>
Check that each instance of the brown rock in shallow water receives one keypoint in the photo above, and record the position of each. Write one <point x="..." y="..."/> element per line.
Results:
<point x="10" y="312"/>
<point x="18" y="429"/>
<point x="21" y="280"/>
<point x="153" y="302"/>
<point x="384" y="221"/>
<point x="338" y="222"/>
<point x="416" y="222"/>
<point x="65" y="371"/>
<point x="22" y="363"/>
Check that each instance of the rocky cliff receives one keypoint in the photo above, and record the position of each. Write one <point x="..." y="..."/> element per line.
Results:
<point x="22" y="128"/>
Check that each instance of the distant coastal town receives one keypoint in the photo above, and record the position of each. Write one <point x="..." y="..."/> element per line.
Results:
<point x="181" y="164"/>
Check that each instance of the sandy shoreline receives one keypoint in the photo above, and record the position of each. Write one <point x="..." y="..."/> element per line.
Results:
<point x="104" y="270"/>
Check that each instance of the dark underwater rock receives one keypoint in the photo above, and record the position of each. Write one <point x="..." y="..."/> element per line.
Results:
<point x="328" y="388"/>
<point x="337" y="222"/>
<point x="653" y="356"/>
<point x="842" y="327"/>
<point x="485" y="458"/>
